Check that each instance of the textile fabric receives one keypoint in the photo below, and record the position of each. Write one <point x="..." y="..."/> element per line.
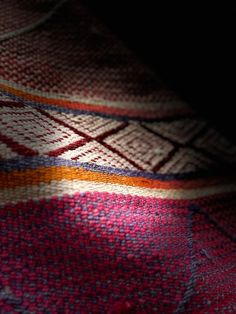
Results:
<point x="116" y="196"/>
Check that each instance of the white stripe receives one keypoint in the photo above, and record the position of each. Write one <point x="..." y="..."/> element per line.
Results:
<point x="166" y="106"/>
<point x="60" y="188"/>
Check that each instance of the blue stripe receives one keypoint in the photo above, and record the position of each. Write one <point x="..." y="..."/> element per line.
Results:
<point x="82" y="112"/>
<point x="23" y="163"/>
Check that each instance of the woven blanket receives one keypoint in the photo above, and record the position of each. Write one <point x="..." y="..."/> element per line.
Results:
<point x="116" y="196"/>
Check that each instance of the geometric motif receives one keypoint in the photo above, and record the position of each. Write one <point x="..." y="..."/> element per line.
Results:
<point x="137" y="144"/>
<point x="115" y="207"/>
<point x="186" y="160"/>
<point x="180" y="131"/>
<point x="30" y="128"/>
<point x="90" y="125"/>
<point x="96" y="153"/>
<point x="107" y="142"/>
<point x="213" y="142"/>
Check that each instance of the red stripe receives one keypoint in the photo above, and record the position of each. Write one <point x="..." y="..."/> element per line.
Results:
<point x="46" y="114"/>
<point x="64" y="149"/>
<point x="101" y="137"/>
<point x="165" y="160"/>
<point x="114" y="150"/>
<point x="10" y="104"/>
<point x="16" y="147"/>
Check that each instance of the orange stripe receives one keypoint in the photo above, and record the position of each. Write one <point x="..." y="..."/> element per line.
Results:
<point x="57" y="173"/>
<point x="76" y="105"/>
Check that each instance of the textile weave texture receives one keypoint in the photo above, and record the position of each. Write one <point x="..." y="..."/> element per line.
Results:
<point x="115" y="195"/>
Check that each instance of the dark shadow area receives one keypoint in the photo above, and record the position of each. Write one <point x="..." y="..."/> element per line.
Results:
<point x="190" y="47"/>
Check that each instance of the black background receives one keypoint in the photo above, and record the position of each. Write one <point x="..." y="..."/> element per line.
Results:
<point x="190" y="46"/>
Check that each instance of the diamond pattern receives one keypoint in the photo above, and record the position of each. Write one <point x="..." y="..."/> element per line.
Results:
<point x="27" y="131"/>
<point x="31" y="129"/>
<point x="96" y="153"/>
<point x="213" y="142"/>
<point x="90" y="125"/>
<point x="187" y="160"/>
<point x="140" y="146"/>
<point x="180" y="131"/>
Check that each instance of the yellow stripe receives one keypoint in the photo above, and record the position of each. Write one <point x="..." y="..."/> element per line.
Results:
<point x="57" y="173"/>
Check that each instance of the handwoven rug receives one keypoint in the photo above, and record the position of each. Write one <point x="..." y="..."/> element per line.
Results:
<point x="116" y="196"/>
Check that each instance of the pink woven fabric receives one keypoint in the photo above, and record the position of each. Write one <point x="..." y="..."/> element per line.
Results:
<point x="115" y="196"/>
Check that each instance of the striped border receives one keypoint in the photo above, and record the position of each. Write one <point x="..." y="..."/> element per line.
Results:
<point x="101" y="107"/>
<point x="48" y="181"/>
<point x="45" y="174"/>
<point x="24" y="163"/>
<point x="67" y="187"/>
